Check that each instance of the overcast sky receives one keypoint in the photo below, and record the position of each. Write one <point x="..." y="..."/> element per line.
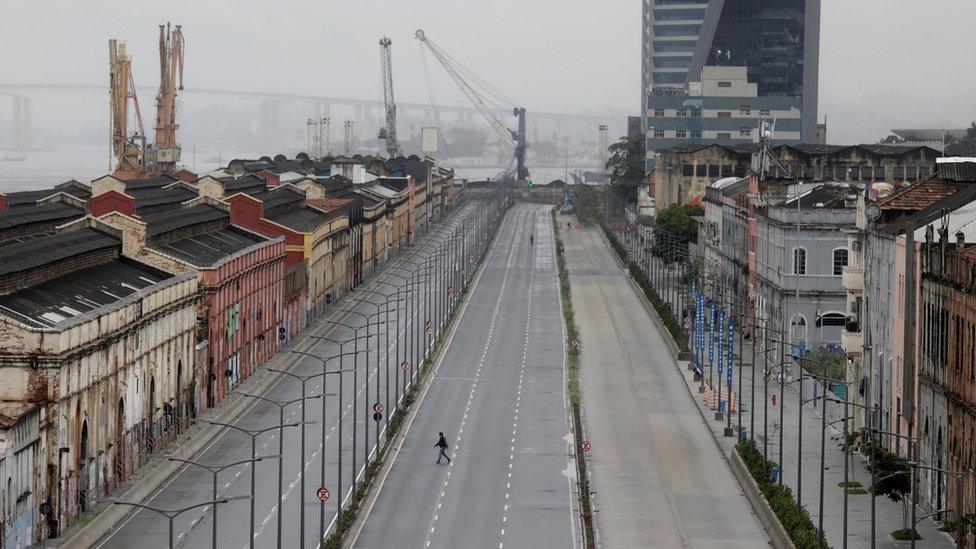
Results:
<point x="884" y="63"/>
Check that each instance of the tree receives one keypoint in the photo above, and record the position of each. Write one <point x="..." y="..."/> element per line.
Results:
<point x="626" y="165"/>
<point x="893" y="477"/>
<point x="676" y="220"/>
<point x="966" y="146"/>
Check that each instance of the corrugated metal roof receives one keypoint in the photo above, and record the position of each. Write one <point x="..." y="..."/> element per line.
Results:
<point x="177" y="218"/>
<point x="206" y="249"/>
<point x="54" y="301"/>
<point x="24" y="256"/>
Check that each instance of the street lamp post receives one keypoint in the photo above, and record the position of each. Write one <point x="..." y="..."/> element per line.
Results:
<point x="958" y="476"/>
<point x="282" y="404"/>
<point x="214" y="470"/>
<point x="325" y="373"/>
<point x="171" y="514"/>
<point x="254" y="434"/>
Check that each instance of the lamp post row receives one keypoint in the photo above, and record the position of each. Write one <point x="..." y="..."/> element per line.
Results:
<point x="452" y="269"/>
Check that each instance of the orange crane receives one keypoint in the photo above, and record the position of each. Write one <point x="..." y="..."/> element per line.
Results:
<point x="166" y="151"/>
<point x="128" y="148"/>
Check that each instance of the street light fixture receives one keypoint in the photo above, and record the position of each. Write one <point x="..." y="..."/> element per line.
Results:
<point x="173" y="513"/>
<point x="281" y="404"/>
<point x="214" y="471"/>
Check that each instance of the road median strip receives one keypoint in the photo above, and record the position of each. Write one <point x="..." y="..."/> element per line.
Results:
<point x="573" y="351"/>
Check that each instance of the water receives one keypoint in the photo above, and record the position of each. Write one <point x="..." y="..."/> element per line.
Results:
<point x="44" y="169"/>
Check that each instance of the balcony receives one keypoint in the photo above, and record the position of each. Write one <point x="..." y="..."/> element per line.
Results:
<point x="852" y="342"/>
<point x="853" y="279"/>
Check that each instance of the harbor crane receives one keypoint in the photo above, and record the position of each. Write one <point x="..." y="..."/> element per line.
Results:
<point x="388" y="132"/>
<point x="128" y="147"/>
<point x="481" y="93"/>
<point x="165" y="153"/>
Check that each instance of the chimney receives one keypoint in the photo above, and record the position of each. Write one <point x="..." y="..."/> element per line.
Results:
<point x="3" y="202"/>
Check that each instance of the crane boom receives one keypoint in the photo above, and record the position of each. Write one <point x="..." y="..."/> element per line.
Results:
<point x="166" y="151"/>
<point x="128" y="148"/>
<point x="388" y="132"/>
<point x="515" y="139"/>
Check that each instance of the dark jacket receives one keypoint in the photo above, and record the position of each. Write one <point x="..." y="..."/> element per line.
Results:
<point x="441" y="442"/>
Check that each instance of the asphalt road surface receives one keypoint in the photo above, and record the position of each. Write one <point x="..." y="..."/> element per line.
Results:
<point x="498" y="396"/>
<point x="193" y="485"/>
<point x="658" y="477"/>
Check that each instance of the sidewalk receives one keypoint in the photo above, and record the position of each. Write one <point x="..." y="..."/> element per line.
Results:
<point x="658" y="477"/>
<point x="888" y="514"/>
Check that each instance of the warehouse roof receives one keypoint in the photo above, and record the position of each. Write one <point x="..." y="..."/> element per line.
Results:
<point x="54" y="301"/>
<point x="52" y="212"/>
<point x="177" y="218"/>
<point x="30" y="198"/>
<point x="24" y="256"/>
<point x="206" y="249"/>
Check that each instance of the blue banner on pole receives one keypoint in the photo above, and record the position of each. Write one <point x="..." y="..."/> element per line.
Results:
<point x="721" y="342"/>
<point x="711" y="329"/>
<point x="731" y="351"/>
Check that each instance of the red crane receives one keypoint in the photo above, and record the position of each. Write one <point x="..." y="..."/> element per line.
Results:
<point x="166" y="151"/>
<point x="128" y="147"/>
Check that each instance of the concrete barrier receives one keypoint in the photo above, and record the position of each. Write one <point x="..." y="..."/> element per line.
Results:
<point x="774" y="529"/>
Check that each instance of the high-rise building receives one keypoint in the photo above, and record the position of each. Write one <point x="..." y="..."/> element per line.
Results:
<point x="712" y="70"/>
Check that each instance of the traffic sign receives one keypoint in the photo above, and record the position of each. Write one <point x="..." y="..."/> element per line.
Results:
<point x="429" y="327"/>
<point x="405" y="366"/>
<point x="322" y="493"/>
<point x="377" y="416"/>
<point x="471" y="257"/>
<point x="586" y="446"/>
<point x="377" y="407"/>
<point x="450" y="291"/>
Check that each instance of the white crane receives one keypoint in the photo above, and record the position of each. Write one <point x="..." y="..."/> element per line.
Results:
<point x="388" y="132"/>
<point x="469" y="82"/>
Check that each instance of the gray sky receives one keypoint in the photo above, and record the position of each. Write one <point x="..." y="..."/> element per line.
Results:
<point x="884" y="63"/>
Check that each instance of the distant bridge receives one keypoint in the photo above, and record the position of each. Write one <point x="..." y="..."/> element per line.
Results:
<point x="321" y="104"/>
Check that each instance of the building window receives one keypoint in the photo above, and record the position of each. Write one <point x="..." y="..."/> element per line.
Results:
<point x="879" y="173"/>
<point x="898" y="172"/>
<point x="696" y="112"/>
<point x="713" y="170"/>
<point x="688" y="170"/>
<point x="799" y="261"/>
<point x="724" y="84"/>
<point x="723" y="135"/>
<point x="702" y="170"/>
<point x="763" y="112"/>
<point x="681" y="112"/>
<point x="658" y="134"/>
<point x="658" y="112"/>
<point x="840" y="261"/>
<point x="726" y="170"/>
<point x="840" y="172"/>
<point x="911" y="173"/>
<point x="681" y="134"/>
<point x="924" y="172"/>
<point x="745" y="111"/>
<point x="831" y="319"/>
<point x="724" y="114"/>
<point x="696" y="134"/>
<point x="745" y="132"/>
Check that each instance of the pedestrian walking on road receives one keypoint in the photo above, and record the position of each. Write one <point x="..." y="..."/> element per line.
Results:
<point x="442" y="444"/>
<point x="531" y="240"/>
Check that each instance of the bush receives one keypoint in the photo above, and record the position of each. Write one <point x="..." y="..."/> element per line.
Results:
<point x="795" y="521"/>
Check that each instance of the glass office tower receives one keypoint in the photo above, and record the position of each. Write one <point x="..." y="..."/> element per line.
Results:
<point x="729" y="63"/>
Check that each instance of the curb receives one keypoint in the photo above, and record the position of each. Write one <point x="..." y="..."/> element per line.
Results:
<point x="774" y="528"/>
<point x="153" y="479"/>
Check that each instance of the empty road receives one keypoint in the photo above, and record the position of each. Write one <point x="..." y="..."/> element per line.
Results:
<point x="498" y="396"/>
